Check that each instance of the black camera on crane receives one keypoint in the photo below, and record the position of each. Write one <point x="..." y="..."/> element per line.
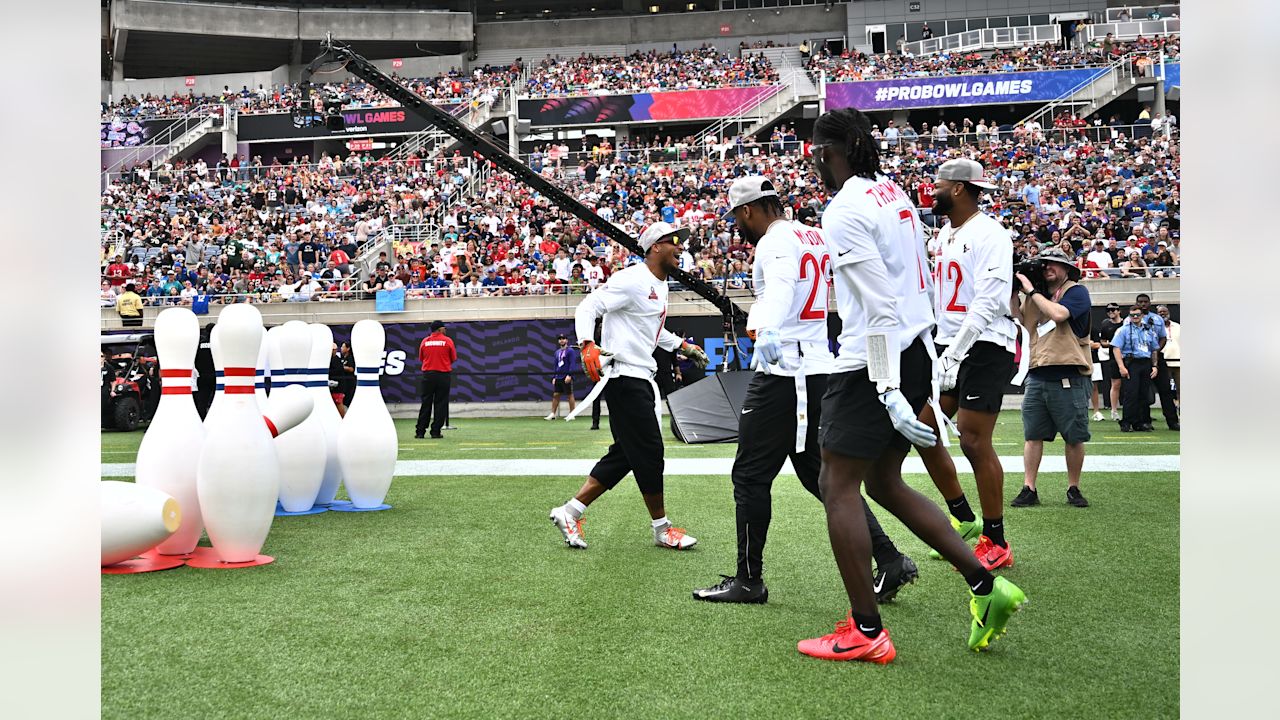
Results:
<point x="329" y="116"/>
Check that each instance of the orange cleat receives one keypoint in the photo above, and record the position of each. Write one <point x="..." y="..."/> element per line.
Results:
<point x="991" y="555"/>
<point x="848" y="643"/>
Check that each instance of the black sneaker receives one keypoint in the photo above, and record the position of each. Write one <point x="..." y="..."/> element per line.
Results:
<point x="419" y="436"/>
<point x="733" y="590"/>
<point x="893" y="577"/>
<point x="1074" y="497"/>
<point x="1026" y="498"/>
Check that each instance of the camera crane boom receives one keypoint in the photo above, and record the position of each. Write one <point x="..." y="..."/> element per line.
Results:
<point x="305" y="116"/>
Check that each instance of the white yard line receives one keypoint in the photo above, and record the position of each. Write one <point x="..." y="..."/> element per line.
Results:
<point x="721" y="466"/>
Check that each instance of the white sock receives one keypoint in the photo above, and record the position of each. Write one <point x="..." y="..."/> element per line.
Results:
<point x="575" y="508"/>
<point x="660" y="522"/>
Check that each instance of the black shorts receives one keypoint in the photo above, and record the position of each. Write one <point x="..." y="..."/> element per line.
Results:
<point x="637" y="438"/>
<point x="855" y="422"/>
<point x="561" y="385"/>
<point x="1110" y="370"/>
<point x="983" y="377"/>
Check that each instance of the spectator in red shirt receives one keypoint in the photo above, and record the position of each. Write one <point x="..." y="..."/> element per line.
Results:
<point x="118" y="272"/>
<point x="437" y="355"/>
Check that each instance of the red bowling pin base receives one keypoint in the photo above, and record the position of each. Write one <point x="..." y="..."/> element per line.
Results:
<point x="353" y="508"/>
<point x="281" y="512"/>
<point x="206" y="558"/>
<point x="148" y="562"/>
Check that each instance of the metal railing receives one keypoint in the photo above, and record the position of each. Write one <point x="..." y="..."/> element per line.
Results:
<point x="195" y="123"/>
<point x="988" y="39"/>
<point x="1140" y="12"/>
<point x="1135" y="29"/>
<point x="1122" y="69"/>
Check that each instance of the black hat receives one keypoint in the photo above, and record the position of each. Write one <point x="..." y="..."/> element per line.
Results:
<point x="562" y="336"/>
<point x="436" y="325"/>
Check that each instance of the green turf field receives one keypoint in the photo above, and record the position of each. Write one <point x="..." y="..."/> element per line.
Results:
<point x="464" y="602"/>
<point x="519" y="438"/>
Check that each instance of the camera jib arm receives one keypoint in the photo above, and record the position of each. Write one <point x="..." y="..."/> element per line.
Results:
<point x="305" y="116"/>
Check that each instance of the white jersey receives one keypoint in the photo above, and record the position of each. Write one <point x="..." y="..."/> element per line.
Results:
<point x="869" y="220"/>
<point x="791" y="277"/>
<point x="634" y="305"/>
<point x="975" y="281"/>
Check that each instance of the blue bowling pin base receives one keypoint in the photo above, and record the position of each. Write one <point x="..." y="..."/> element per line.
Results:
<point x="352" y="508"/>
<point x="334" y="505"/>
<point x="281" y="512"/>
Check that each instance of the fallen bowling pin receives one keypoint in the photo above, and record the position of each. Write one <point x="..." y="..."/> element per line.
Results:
<point x="287" y="409"/>
<point x="367" y="441"/>
<point x="169" y="450"/>
<point x="135" y="518"/>
<point x="238" y="476"/>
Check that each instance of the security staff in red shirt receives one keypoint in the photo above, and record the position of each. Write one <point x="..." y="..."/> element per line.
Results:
<point x="437" y="355"/>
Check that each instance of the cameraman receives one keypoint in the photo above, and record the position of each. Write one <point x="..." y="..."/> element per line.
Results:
<point x="1057" y="312"/>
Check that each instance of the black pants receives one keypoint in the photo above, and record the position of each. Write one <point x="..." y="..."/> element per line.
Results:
<point x="434" y="390"/>
<point x="595" y="413"/>
<point x="131" y="321"/>
<point x="1164" y="387"/>
<point x="1135" y="393"/>
<point x="204" y="396"/>
<point x="766" y="438"/>
<point x="637" y="439"/>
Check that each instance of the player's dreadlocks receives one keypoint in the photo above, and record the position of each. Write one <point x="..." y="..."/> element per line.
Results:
<point x="851" y="128"/>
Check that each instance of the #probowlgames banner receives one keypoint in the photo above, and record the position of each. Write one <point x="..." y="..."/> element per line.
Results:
<point x="958" y="90"/>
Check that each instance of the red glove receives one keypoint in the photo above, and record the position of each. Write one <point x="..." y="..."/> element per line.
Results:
<point x="591" y="360"/>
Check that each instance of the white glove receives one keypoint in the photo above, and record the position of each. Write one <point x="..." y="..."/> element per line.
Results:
<point x="948" y="370"/>
<point x="904" y="419"/>
<point x="768" y="349"/>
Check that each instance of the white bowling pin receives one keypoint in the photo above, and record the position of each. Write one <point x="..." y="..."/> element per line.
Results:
<point x="167" y="457"/>
<point x="302" y="449"/>
<point x="217" y="374"/>
<point x="238" y="478"/>
<point x="135" y="518"/>
<point x="325" y="411"/>
<point x="260" y="379"/>
<point x="367" y="441"/>
<point x="287" y="409"/>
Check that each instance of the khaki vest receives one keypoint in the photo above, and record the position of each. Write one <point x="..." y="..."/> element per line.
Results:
<point x="1060" y="346"/>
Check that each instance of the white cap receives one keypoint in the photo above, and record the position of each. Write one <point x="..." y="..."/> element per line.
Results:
<point x="965" y="170"/>
<point x="749" y="189"/>
<point x="660" y="230"/>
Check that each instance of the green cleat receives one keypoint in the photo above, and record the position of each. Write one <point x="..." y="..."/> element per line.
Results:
<point x="991" y="613"/>
<point x="970" y="531"/>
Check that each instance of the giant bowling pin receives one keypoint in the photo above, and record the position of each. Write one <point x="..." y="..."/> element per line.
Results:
<point x="301" y="450"/>
<point x="134" y="519"/>
<point x="260" y="380"/>
<point x="238" y="478"/>
<point x="367" y="441"/>
<point x="167" y="457"/>
<point x="325" y="411"/>
<point x="218" y="384"/>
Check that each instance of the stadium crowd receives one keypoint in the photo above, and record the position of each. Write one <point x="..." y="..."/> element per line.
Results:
<point x="851" y="65"/>
<point x="188" y="233"/>
<point x="703" y="67"/>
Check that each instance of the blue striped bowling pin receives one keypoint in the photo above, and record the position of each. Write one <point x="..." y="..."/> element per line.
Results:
<point x="367" y="442"/>
<point x="325" y="411"/>
<point x="301" y="450"/>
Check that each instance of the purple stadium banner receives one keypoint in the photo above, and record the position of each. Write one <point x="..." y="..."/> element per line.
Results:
<point x="504" y="361"/>
<point x="958" y="90"/>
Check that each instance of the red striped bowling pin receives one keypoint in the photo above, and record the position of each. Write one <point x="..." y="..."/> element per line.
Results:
<point x="238" y="477"/>
<point x="167" y="457"/>
<point x="286" y="410"/>
<point x="367" y="442"/>
<point x="301" y="450"/>
<point x="325" y="412"/>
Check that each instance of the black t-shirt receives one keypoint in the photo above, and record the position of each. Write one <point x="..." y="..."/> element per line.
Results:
<point x="307" y="252"/>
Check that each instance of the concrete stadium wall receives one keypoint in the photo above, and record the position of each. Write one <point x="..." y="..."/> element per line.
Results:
<point x="413" y="67"/>
<point x="683" y="303"/>
<point x="881" y="12"/>
<point x="288" y="24"/>
<point x="661" y="30"/>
